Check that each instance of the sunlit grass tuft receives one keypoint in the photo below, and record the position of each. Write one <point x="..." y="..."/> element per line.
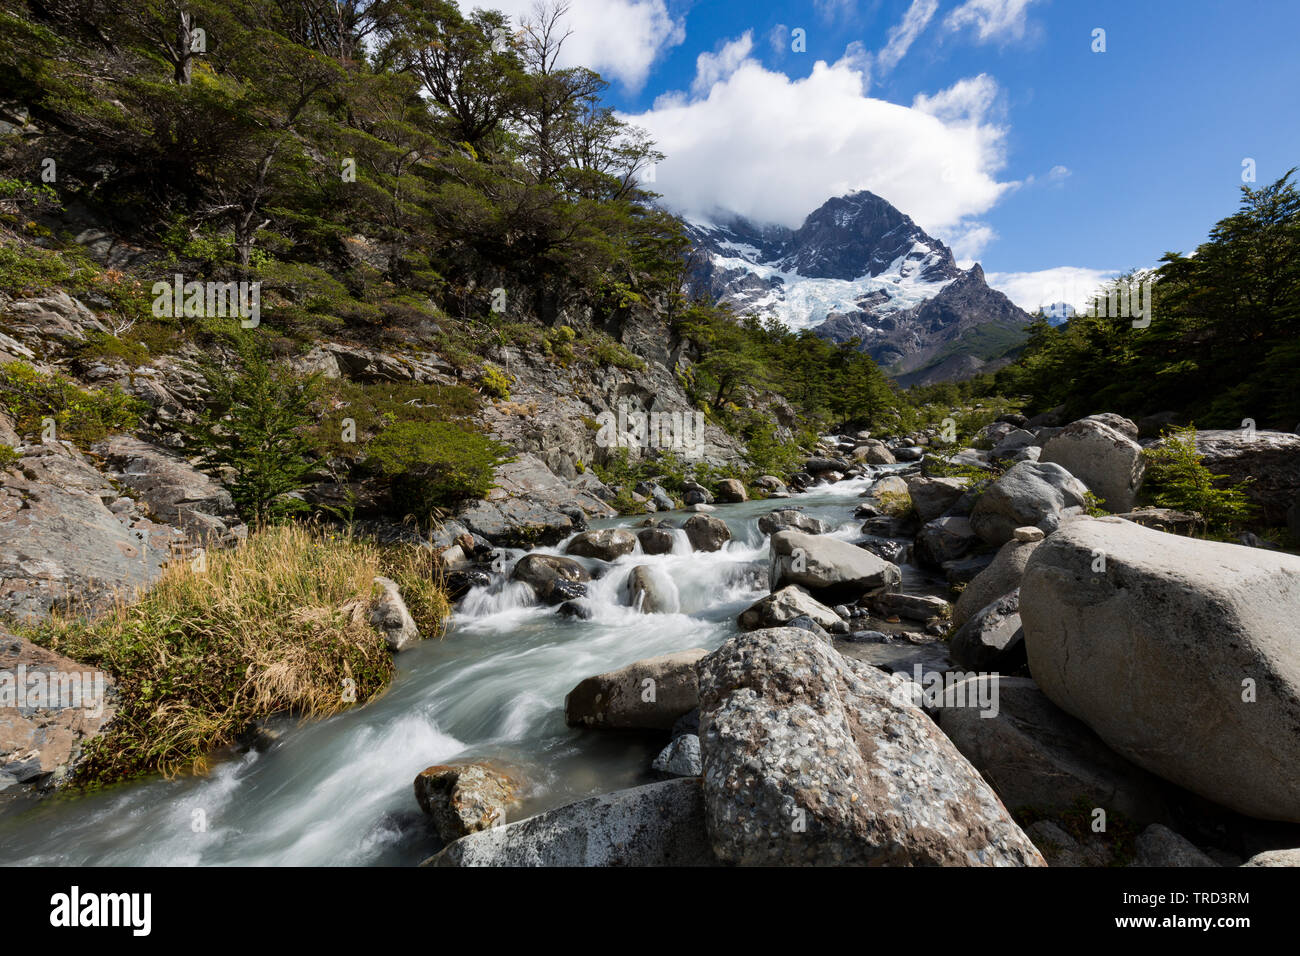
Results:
<point x="278" y="625"/>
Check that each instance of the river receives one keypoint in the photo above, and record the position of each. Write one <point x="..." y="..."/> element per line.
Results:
<point x="338" y="791"/>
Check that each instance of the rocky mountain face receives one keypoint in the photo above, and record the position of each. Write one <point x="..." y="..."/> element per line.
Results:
<point x="858" y="267"/>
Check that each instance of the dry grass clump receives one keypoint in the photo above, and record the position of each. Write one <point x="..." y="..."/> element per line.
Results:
<point x="280" y="624"/>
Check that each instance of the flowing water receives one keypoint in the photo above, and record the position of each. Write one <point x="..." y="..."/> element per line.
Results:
<point x="338" y="791"/>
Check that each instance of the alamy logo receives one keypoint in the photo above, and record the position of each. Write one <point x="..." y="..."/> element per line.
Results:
<point x="679" y="431"/>
<point x="74" y="909"/>
<point x="211" y="299"/>
<point x="934" y="689"/>
<point x="1124" y="300"/>
<point x="52" y="690"/>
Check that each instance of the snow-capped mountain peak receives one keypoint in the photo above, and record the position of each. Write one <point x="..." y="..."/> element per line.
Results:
<point x="856" y="267"/>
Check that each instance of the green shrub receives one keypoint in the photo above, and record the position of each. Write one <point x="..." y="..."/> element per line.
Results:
<point x="495" y="383"/>
<point x="80" y="415"/>
<point x="374" y="406"/>
<point x="433" y="465"/>
<point x="1176" y="478"/>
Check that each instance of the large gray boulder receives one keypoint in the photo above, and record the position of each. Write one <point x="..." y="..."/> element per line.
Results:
<point x="173" y="491"/>
<point x="873" y="452"/>
<point x="931" y="497"/>
<point x="783" y="606"/>
<point x="1177" y="652"/>
<point x="605" y="545"/>
<point x="1030" y="493"/>
<point x="659" y="824"/>
<point x="1160" y="846"/>
<point x="812" y="758"/>
<point x="1036" y="755"/>
<point x="1104" y="458"/>
<point x="1275" y="858"/>
<point x="649" y="694"/>
<point x="999" y="578"/>
<point x="943" y="540"/>
<point x="656" y="540"/>
<point x="828" y="568"/>
<point x="732" y="491"/>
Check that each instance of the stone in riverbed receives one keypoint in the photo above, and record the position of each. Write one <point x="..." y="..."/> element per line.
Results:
<point x="1158" y="845"/>
<point x="390" y="617"/>
<point x="681" y="758"/>
<point x="731" y="491"/>
<point x="651" y="591"/>
<point x="992" y="639"/>
<point x="828" y="568"/>
<point x="605" y="545"/>
<point x="814" y="759"/>
<point x="1030" y="493"/>
<point x="706" y="533"/>
<point x="1145" y="635"/>
<point x="1035" y="755"/>
<point x="464" y="798"/>
<point x="791" y="519"/>
<point x="649" y="694"/>
<point x="659" y="824"/>
<point x="1275" y="858"/>
<point x="931" y="497"/>
<point x="1104" y="458"/>
<point x="656" y="540"/>
<point x="784" y="605"/>
<point x="553" y="579"/>
<point x="914" y="607"/>
<point x="1001" y="577"/>
<point x="943" y="540"/>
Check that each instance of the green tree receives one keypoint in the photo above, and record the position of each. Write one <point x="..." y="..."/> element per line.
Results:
<point x="257" y="424"/>
<point x="1177" y="478"/>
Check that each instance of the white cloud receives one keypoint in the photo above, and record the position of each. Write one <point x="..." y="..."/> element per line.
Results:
<point x="1030" y="290"/>
<point x="967" y="241"/>
<point x="905" y="32"/>
<point x="779" y="37"/>
<point x="992" y="20"/>
<point x="620" y="39"/>
<point x="712" y="67"/>
<point x="773" y="148"/>
<point x="967" y="101"/>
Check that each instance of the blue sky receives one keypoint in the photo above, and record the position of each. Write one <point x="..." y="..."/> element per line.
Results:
<point x="993" y="123"/>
